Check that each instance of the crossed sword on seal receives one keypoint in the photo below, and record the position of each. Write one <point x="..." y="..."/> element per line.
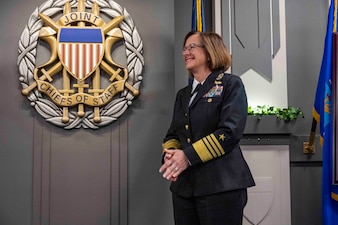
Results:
<point x="114" y="34"/>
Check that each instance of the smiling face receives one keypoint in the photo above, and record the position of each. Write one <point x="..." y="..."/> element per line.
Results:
<point x="194" y="55"/>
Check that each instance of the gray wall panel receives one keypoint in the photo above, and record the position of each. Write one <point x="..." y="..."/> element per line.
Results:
<point x="16" y="123"/>
<point x="305" y="31"/>
<point x="306" y="194"/>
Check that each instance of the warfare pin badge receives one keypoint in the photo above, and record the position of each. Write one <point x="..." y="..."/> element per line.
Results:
<point x="86" y="81"/>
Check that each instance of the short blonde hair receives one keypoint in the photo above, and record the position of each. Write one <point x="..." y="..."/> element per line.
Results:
<point x="217" y="52"/>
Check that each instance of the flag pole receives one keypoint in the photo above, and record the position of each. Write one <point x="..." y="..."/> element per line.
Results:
<point x="309" y="147"/>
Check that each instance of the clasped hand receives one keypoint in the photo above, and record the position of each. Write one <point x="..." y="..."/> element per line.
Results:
<point x="175" y="162"/>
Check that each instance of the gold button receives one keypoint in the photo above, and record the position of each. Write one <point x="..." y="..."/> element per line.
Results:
<point x="209" y="99"/>
<point x="186" y="126"/>
<point x="188" y="140"/>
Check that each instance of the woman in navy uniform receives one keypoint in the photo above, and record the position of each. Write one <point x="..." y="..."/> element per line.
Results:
<point x="201" y="153"/>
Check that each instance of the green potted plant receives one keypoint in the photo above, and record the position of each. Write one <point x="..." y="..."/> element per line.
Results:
<point x="269" y="120"/>
<point x="287" y="114"/>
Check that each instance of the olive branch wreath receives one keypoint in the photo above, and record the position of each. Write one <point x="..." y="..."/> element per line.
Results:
<point x="27" y="62"/>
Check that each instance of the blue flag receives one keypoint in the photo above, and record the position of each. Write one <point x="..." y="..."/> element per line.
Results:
<point x="322" y="113"/>
<point x="197" y="21"/>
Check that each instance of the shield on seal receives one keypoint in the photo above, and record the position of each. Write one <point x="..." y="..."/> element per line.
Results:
<point x="80" y="50"/>
<point x="260" y="199"/>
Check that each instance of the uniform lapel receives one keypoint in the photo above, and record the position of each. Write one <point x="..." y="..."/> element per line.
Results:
<point x="186" y="98"/>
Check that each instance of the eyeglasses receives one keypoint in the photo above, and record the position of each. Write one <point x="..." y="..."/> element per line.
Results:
<point x="191" y="47"/>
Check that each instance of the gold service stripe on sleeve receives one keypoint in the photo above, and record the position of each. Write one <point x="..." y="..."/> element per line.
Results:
<point x="219" y="146"/>
<point x="200" y="149"/>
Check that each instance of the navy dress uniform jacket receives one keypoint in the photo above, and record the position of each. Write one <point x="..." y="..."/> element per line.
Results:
<point x="209" y="132"/>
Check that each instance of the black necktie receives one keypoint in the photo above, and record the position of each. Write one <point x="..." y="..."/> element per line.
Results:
<point x="196" y="89"/>
<point x="194" y="92"/>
